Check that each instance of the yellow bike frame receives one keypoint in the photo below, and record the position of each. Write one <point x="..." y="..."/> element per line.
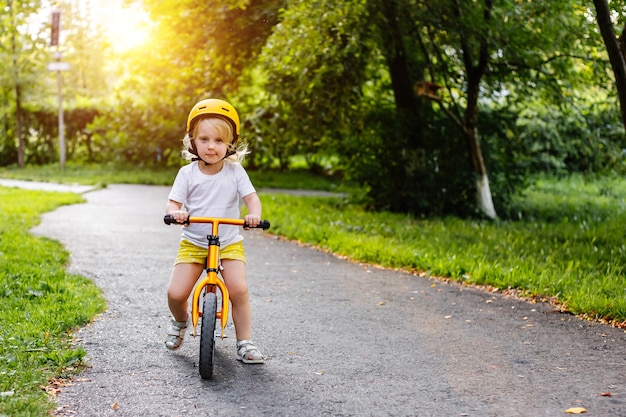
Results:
<point x="212" y="281"/>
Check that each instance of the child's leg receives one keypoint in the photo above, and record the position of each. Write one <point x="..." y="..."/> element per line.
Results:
<point x="182" y="281"/>
<point x="234" y="274"/>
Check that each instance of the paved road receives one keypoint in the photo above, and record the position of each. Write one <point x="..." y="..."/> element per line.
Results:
<point x="342" y="339"/>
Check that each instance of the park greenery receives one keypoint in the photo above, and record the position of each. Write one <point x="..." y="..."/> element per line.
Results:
<point x="432" y="108"/>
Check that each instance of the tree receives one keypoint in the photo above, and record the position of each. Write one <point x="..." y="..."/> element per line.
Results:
<point x="616" y="49"/>
<point x="470" y="50"/>
<point x="86" y="48"/>
<point x="313" y="66"/>
<point x="196" y="50"/>
<point x="454" y="44"/>
<point x="471" y="24"/>
<point x="22" y="55"/>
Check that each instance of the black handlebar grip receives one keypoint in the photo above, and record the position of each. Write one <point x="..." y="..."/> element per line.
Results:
<point x="169" y="219"/>
<point x="265" y="224"/>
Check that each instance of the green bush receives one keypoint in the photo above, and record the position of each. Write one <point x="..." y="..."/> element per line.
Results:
<point x="588" y="140"/>
<point x="433" y="177"/>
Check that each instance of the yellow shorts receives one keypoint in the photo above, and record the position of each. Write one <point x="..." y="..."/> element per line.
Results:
<point x="188" y="253"/>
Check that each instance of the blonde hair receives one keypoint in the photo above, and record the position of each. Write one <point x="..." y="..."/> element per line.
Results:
<point x="225" y="130"/>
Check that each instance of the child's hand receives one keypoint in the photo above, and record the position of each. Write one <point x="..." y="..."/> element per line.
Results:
<point x="252" y="220"/>
<point x="180" y="216"/>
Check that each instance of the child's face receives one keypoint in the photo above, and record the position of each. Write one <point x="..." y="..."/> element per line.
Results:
<point x="210" y="145"/>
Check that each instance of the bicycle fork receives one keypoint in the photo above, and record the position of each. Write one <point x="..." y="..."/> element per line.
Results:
<point x="211" y="282"/>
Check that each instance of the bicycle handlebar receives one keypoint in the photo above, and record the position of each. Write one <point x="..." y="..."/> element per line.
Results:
<point x="169" y="219"/>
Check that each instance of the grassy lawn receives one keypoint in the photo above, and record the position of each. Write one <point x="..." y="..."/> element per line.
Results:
<point x="567" y="244"/>
<point x="103" y="175"/>
<point x="40" y="305"/>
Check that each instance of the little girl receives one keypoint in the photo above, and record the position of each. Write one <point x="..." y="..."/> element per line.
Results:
<point x="211" y="186"/>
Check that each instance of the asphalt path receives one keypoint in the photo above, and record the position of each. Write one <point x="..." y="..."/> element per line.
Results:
<point x="342" y="339"/>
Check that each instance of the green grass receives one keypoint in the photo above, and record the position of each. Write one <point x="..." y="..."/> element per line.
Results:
<point x="568" y="244"/>
<point x="40" y="304"/>
<point x="96" y="174"/>
<point x="108" y="174"/>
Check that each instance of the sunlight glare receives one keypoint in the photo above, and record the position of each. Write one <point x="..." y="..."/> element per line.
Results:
<point x="127" y="27"/>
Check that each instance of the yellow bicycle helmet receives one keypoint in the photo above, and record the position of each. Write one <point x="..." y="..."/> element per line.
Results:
<point x="218" y="108"/>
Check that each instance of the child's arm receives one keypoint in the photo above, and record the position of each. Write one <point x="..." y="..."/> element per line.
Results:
<point x="253" y="203"/>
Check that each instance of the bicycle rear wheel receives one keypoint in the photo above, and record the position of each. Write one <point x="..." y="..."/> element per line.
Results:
<point x="207" y="335"/>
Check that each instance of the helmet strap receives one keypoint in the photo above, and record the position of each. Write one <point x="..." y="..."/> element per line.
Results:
<point x="192" y="150"/>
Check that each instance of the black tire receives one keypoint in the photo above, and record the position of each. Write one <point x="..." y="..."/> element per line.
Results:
<point x="207" y="335"/>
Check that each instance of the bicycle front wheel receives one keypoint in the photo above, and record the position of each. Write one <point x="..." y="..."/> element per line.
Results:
<point x="207" y="335"/>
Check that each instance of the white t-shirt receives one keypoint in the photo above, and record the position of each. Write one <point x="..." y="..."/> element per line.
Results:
<point x="211" y="196"/>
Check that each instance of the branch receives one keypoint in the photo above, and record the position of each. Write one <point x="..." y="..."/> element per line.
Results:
<point x="457" y="113"/>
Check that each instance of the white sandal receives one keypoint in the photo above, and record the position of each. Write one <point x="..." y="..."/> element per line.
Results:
<point x="248" y="353"/>
<point x="176" y="335"/>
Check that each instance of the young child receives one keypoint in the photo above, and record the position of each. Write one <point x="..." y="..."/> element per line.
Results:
<point x="211" y="186"/>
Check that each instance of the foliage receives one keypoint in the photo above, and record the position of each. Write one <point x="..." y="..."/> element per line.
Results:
<point x="425" y="180"/>
<point x="314" y="76"/>
<point x="338" y="80"/>
<point x="83" y="47"/>
<point x="584" y="139"/>
<point x="22" y="59"/>
<point x="145" y="122"/>
<point x="419" y="166"/>
<point x="42" y="145"/>
<point x="41" y="303"/>
<point x="567" y="242"/>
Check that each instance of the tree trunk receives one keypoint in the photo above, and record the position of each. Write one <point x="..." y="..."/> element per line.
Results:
<point x="484" y="198"/>
<point x="475" y="71"/>
<point x="401" y="82"/>
<point x="19" y="113"/>
<point x="613" y="49"/>
<point x="18" y="91"/>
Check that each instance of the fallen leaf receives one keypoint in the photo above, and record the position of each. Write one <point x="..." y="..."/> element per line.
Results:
<point x="115" y="405"/>
<point x="575" y="410"/>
